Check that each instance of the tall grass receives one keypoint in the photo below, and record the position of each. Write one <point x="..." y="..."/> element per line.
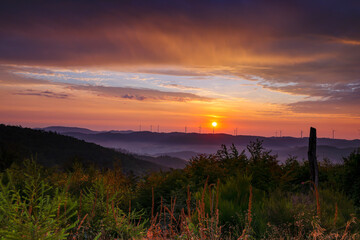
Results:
<point x="40" y="204"/>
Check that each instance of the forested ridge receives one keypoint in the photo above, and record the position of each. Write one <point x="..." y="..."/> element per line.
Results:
<point x="52" y="149"/>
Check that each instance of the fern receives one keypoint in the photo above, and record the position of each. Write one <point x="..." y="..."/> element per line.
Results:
<point x="35" y="212"/>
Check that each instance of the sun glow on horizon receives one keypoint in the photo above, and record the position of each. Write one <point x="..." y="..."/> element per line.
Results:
<point x="214" y="124"/>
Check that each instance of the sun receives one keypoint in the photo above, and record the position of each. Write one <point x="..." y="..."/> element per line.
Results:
<point x="214" y="124"/>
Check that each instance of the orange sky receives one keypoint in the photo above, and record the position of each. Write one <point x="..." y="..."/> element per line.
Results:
<point x="261" y="68"/>
<point x="105" y="112"/>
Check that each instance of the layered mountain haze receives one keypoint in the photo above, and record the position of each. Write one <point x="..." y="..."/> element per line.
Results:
<point x="187" y="145"/>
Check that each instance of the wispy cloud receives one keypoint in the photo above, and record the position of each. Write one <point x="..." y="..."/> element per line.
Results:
<point x="348" y="41"/>
<point x="47" y="93"/>
<point x="329" y="98"/>
<point x="179" y="86"/>
<point x="139" y="94"/>
<point x="335" y="99"/>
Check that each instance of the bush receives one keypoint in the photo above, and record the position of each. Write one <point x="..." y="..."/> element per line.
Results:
<point x="37" y="211"/>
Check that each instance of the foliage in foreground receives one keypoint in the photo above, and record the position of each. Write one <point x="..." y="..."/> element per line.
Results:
<point x="223" y="196"/>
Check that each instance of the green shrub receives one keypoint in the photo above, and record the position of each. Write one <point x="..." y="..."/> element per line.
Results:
<point x="233" y="205"/>
<point x="99" y="207"/>
<point x="37" y="211"/>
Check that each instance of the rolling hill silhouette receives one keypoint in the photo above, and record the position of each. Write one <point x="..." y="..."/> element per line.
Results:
<point x="52" y="149"/>
<point x="186" y="145"/>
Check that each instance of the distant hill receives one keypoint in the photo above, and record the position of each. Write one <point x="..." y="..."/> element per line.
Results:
<point x="53" y="149"/>
<point x="64" y="130"/>
<point x="323" y="151"/>
<point x="182" y="145"/>
<point x="60" y="129"/>
<point x="182" y="154"/>
<point x="176" y="138"/>
<point x="165" y="160"/>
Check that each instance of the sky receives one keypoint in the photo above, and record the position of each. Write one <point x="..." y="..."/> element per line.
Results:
<point x="260" y="67"/>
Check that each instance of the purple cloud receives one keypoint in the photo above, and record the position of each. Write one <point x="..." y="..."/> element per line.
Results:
<point x="49" y="94"/>
<point x="139" y="94"/>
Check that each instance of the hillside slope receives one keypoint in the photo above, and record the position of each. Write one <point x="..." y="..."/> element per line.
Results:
<point x="52" y="149"/>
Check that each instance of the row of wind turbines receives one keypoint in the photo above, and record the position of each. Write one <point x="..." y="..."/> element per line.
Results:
<point x="278" y="133"/>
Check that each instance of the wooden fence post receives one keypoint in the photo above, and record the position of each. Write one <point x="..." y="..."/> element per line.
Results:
<point x="312" y="157"/>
